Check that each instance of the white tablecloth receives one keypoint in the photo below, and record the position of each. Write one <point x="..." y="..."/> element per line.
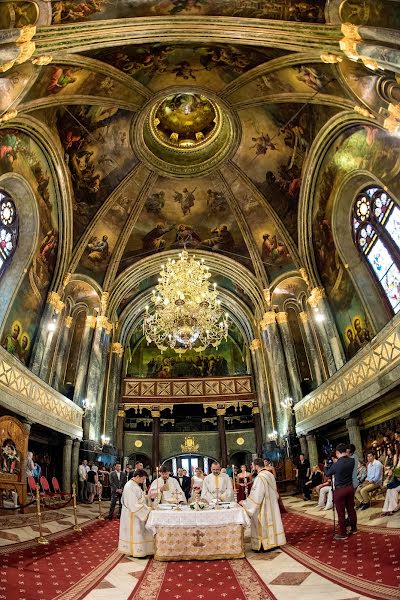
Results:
<point x="197" y="518"/>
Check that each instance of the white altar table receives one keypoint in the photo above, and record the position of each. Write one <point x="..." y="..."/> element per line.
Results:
<point x="198" y="535"/>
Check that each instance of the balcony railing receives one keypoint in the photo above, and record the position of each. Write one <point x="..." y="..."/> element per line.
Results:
<point x="373" y="371"/>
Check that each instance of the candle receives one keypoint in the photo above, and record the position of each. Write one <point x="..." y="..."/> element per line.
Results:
<point x="233" y="479"/>
<point x="157" y="483"/>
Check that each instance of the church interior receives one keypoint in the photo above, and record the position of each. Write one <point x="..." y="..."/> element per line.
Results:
<point x="199" y="265"/>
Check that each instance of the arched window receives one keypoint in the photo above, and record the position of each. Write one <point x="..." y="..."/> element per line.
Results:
<point x="376" y="233"/>
<point x="8" y="230"/>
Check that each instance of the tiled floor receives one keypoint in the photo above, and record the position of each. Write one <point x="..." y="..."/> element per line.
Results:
<point x="286" y="578"/>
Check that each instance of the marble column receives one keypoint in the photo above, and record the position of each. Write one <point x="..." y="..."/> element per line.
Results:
<point x="27" y="425"/>
<point x="42" y="354"/>
<point x="95" y="380"/>
<point x="290" y="355"/>
<point x="277" y="366"/>
<point x="62" y="353"/>
<point x="155" y="449"/>
<point x="75" y="461"/>
<point x="261" y="380"/>
<point x="312" y="449"/>
<point x="311" y="348"/>
<point x="223" y="451"/>
<point x="303" y="445"/>
<point x="67" y="464"/>
<point x="120" y="432"/>
<point x="355" y="435"/>
<point x="327" y="328"/>
<point x="113" y="391"/>
<point x="258" y="430"/>
<point x="81" y="375"/>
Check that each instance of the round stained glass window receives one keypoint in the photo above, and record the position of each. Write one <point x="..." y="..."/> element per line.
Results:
<point x="6" y="242"/>
<point x="8" y="229"/>
<point x="7" y="212"/>
<point x="363" y="208"/>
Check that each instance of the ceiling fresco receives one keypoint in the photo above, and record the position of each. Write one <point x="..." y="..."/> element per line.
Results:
<point x="311" y="11"/>
<point x="158" y="66"/>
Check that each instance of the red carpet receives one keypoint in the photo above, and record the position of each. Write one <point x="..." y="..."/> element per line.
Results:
<point x="68" y="568"/>
<point x="210" y="580"/>
<point x="366" y="563"/>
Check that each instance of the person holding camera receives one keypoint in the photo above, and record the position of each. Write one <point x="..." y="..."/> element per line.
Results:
<point x="343" y="490"/>
<point x="117" y="482"/>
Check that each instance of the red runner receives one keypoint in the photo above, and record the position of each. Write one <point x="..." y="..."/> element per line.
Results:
<point x="230" y="579"/>
<point x="366" y="563"/>
<point x="68" y="568"/>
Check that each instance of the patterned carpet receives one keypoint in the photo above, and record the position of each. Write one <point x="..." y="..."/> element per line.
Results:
<point x="230" y="579"/>
<point x="12" y="521"/>
<point x="68" y="568"/>
<point x="361" y="563"/>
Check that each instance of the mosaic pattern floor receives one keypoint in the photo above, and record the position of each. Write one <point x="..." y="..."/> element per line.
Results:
<point x="287" y="578"/>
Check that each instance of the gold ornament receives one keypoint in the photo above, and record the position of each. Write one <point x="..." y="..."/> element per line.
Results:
<point x="328" y="57"/>
<point x="11" y="114"/>
<point x="316" y="295"/>
<point x="90" y="321"/>
<point x="68" y="322"/>
<point x="282" y="317"/>
<point x="268" y="319"/>
<point x="117" y="348"/>
<point x="44" y="59"/>
<point x="255" y="345"/>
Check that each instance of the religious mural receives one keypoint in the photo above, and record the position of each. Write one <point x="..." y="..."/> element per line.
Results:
<point x="21" y="154"/>
<point x="158" y="66"/>
<point x="98" y="153"/>
<point x="147" y="361"/>
<point x="13" y="83"/>
<point x="359" y="148"/>
<point x="378" y="13"/>
<point x="275" y="142"/>
<point x="194" y="214"/>
<point x="72" y="11"/>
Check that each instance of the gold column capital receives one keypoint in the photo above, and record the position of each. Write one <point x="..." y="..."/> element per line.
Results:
<point x="349" y="47"/>
<point x="329" y="58"/>
<point x="26" y="34"/>
<point x="256" y="410"/>
<point x="90" y="321"/>
<point x="117" y="348"/>
<point x="255" y="345"/>
<point x="267" y="295"/>
<point x="66" y="279"/>
<point x="27" y="49"/>
<point x="351" y="31"/>
<point x="55" y="301"/>
<point x="282" y="317"/>
<point x="316" y="295"/>
<point x="268" y="319"/>
<point x="43" y="60"/>
<point x="221" y="412"/>
<point x="121" y="413"/>
<point x="155" y="413"/>
<point x="68" y="322"/>
<point x="104" y="302"/>
<point x="8" y="116"/>
<point x="303" y="317"/>
<point x="103" y="323"/>
<point x="304" y="275"/>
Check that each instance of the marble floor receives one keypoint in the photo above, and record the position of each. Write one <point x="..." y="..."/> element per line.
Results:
<point x="286" y="578"/>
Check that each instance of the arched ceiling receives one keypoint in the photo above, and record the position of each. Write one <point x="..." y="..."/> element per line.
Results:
<point x="237" y="185"/>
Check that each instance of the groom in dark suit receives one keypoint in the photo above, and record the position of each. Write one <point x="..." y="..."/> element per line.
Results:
<point x="117" y="482"/>
<point x="185" y="483"/>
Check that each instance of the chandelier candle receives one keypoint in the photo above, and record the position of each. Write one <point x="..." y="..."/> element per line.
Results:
<point x="187" y="313"/>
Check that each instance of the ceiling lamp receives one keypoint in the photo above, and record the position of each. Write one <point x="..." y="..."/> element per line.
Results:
<point x="187" y="313"/>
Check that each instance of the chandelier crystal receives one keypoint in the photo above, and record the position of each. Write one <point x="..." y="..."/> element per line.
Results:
<point x="186" y="312"/>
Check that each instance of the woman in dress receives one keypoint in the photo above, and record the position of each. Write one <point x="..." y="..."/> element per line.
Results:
<point x="243" y="483"/>
<point x="197" y="482"/>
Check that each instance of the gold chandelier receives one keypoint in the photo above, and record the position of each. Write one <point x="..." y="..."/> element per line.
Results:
<point x="186" y="311"/>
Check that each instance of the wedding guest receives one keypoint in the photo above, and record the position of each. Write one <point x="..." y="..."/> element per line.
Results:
<point x="82" y="481"/>
<point x="269" y="466"/>
<point x="302" y="472"/>
<point x="373" y="481"/>
<point x="197" y="481"/>
<point x="117" y="483"/>
<point x="325" y="497"/>
<point x="244" y="483"/>
<point x="342" y="469"/>
<point x="185" y="482"/>
<point x="391" y="504"/>
<point x="314" y="480"/>
<point x="361" y="472"/>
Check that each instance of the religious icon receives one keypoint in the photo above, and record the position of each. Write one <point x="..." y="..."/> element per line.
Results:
<point x="10" y="459"/>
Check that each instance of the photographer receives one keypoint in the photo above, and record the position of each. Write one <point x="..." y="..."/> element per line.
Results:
<point x="343" y="488"/>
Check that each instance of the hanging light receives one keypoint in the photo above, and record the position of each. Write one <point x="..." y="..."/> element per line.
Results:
<point x="186" y="312"/>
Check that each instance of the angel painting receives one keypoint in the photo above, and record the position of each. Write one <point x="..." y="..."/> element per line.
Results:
<point x="262" y="144"/>
<point x="186" y="199"/>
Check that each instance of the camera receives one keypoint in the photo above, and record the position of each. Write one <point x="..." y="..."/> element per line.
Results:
<point x="329" y="462"/>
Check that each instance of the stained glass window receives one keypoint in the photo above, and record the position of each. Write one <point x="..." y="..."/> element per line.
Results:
<point x="376" y="232"/>
<point x="8" y="230"/>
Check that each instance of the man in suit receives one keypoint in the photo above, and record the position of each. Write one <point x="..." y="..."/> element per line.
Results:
<point x="146" y="484"/>
<point x="117" y="482"/>
<point x="185" y="483"/>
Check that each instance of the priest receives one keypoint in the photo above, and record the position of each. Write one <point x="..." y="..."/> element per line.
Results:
<point x="263" y="509"/>
<point x="134" y="538"/>
<point x="217" y="485"/>
<point x="166" y="489"/>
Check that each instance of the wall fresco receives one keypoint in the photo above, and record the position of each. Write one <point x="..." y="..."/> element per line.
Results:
<point x="21" y="154"/>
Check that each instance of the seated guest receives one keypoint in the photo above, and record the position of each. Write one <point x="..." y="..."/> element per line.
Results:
<point x="351" y="451"/>
<point x="134" y="538"/>
<point x="361" y="472"/>
<point x="315" y="479"/>
<point x="391" y="504"/>
<point x="217" y="485"/>
<point x="325" y="497"/>
<point x="373" y="481"/>
<point x="388" y="466"/>
<point x="169" y="490"/>
<point x="185" y="482"/>
<point x="342" y="469"/>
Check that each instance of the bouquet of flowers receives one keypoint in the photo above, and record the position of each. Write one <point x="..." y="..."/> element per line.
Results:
<point x="198" y="505"/>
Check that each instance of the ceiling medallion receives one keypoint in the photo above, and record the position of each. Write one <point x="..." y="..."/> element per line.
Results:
<point x="185" y="120"/>
<point x="187" y="313"/>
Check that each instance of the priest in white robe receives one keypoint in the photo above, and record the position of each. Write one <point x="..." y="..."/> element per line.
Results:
<point x="217" y="484"/>
<point x="168" y="489"/>
<point x="134" y="538"/>
<point x="263" y="509"/>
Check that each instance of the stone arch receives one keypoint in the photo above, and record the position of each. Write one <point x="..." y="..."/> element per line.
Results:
<point x="28" y="215"/>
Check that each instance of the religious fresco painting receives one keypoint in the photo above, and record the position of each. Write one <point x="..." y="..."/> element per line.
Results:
<point x="13" y="84"/>
<point x="73" y="11"/>
<point x="359" y="148"/>
<point x="193" y="213"/>
<point x="81" y="292"/>
<point x="378" y="13"/>
<point x="21" y="154"/>
<point x="158" y="66"/>
<point x="147" y="361"/>
<point x="274" y="145"/>
<point x="98" y="154"/>
<point x="309" y="78"/>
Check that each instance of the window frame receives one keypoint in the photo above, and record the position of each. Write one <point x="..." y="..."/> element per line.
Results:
<point x="11" y="228"/>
